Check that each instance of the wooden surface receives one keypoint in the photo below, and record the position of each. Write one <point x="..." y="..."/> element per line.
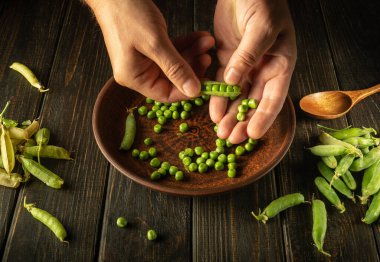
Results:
<point x="338" y="48"/>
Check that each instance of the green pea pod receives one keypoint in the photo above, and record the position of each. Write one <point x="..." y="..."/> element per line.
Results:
<point x="42" y="136"/>
<point x="10" y="180"/>
<point x="26" y="123"/>
<point x="7" y="151"/>
<point x="48" y="220"/>
<point x="129" y="132"/>
<point x="29" y="75"/>
<point x="41" y="172"/>
<point x="327" y="139"/>
<point x="32" y="128"/>
<point x="366" y="161"/>
<point x="319" y="224"/>
<point x="373" y="211"/>
<point x="352" y="132"/>
<point x="278" y="205"/>
<point x="343" y="166"/>
<point x="329" y="193"/>
<point x="9" y="122"/>
<point x="338" y="184"/>
<point x="371" y="182"/>
<point x="328" y="150"/>
<point x="349" y="180"/>
<point x="18" y="133"/>
<point x="360" y="142"/>
<point x="219" y="89"/>
<point x="46" y="151"/>
<point x="330" y="161"/>
<point x="365" y="150"/>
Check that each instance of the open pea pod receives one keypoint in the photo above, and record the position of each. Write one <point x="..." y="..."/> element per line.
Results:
<point x="32" y="128"/>
<point x="220" y="89"/>
<point x="10" y="180"/>
<point x="18" y="133"/>
<point x="7" y="151"/>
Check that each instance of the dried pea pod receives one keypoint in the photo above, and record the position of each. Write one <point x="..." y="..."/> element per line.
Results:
<point x="371" y="182"/>
<point x="366" y="161"/>
<point x="47" y="151"/>
<point x="278" y="205"/>
<point x="327" y="139"/>
<point x="319" y="224"/>
<point x="330" y="161"/>
<point x="41" y="172"/>
<point x="18" y="133"/>
<point x="9" y="122"/>
<point x="343" y="166"/>
<point x="220" y="89"/>
<point x="329" y="193"/>
<point x="328" y="150"/>
<point x="373" y="211"/>
<point x="7" y="151"/>
<point x="29" y="75"/>
<point x="10" y="180"/>
<point x="32" y="128"/>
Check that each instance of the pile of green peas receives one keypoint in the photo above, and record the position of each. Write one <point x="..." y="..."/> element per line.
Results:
<point x="244" y="106"/>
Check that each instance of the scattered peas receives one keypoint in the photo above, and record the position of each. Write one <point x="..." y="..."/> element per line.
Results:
<point x="168" y="114"/>
<point x="173" y="170"/>
<point x="232" y="165"/>
<point x="157" y="103"/>
<point x="239" y="150"/>
<point x="183" y="127"/>
<point x="159" y="113"/>
<point x="242" y="108"/>
<point x="163" y="108"/>
<point x="165" y="165"/>
<point x="162" y="120"/>
<point x="155" y="162"/>
<point x="149" y="100"/>
<point x="244" y="102"/>
<point x="135" y="152"/>
<point x="181" y="155"/>
<point x="198" y="101"/>
<point x="186" y="161"/>
<point x="144" y="155"/>
<point x="231" y="173"/>
<point x="231" y="158"/>
<point x="205" y="155"/>
<point x="220" y="142"/>
<point x="162" y="171"/>
<point x="178" y="175"/>
<point x="157" y="128"/>
<point x="202" y="168"/>
<point x="249" y="147"/>
<point x="210" y="162"/>
<point x="151" y="234"/>
<point x="228" y="144"/>
<point x="155" y="108"/>
<point x="198" y="150"/>
<point x="216" y="128"/>
<point x="252" y="103"/>
<point x="214" y="155"/>
<point x="240" y="116"/>
<point x="143" y="110"/>
<point x="185" y="115"/>
<point x="148" y="141"/>
<point x="193" y="167"/>
<point x="220" y="150"/>
<point x="175" y="115"/>
<point x="222" y="158"/>
<point x="189" y="152"/>
<point x="187" y="107"/>
<point x="121" y="222"/>
<point x="155" y="175"/>
<point x="151" y="114"/>
<point x="152" y="152"/>
<point x="200" y="160"/>
<point x="219" y="166"/>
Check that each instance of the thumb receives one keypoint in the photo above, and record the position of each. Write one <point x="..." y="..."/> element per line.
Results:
<point x="173" y="65"/>
<point x="256" y="40"/>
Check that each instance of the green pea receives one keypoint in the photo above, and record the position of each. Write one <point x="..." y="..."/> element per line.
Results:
<point x="222" y="88"/>
<point x="373" y="211"/>
<point x="155" y="162"/>
<point x="148" y="141"/>
<point x="249" y="147"/>
<point x="151" y="114"/>
<point x="198" y="101"/>
<point x="183" y="127"/>
<point x="183" y="102"/>
<point x="157" y="128"/>
<point x="278" y="205"/>
<point x="222" y="158"/>
<point x="214" y="155"/>
<point x="220" y="142"/>
<point x="152" y="152"/>
<point x="175" y="115"/>
<point x="205" y="97"/>
<point x="219" y="89"/>
<point x="216" y="128"/>
<point x="231" y="158"/>
<point x="252" y="141"/>
<point x="181" y="155"/>
<point x="189" y="152"/>
<point x="329" y="193"/>
<point x="239" y="150"/>
<point x="135" y="152"/>
<point x="162" y="171"/>
<point x="231" y="173"/>
<point x="252" y="103"/>
<point x="240" y="116"/>
<point x="168" y="114"/>
<point x="230" y="89"/>
<point x="159" y="113"/>
<point x="232" y="166"/>
<point x="242" y="108"/>
<point x="142" y="110"/>
<point x="202" y="168"/>
<point x="185" y="115"/>
<point x="210" y="162"/>
<point x="167" y="104"/>
<point x="173" y="170"/>
<point x="155" y="175"/>
<point x="198" y="150"/>
<point x="173" y="108"/>
<point x="176" y="104"/>
<point x="228" y="144"/>
<point x="219" y="166"/>
<point x="165" y="165"/>
<point x="186" y="161"/>
<point x="144" y="155"/>
<point x="149" y="100"/>
<point x="155" y="108"/>
<point x="193" y="167"/>
<point x="121" y="222"/>
<point x="215" y="88"/>
<point x="208" y="87"/>
<point x="179" y="175"/>
<point x="220" y="149"/>
<point x="244" y="102"/>
<point x="319" y="224"/>
<point x="162" y="120"/>
<point x="200" y="160"/>
<point x="151" y="234"/>
<point x="205" y="155"/>
<point x="157" y="103"/>
<point x="163" y="108"/>
<point x="187" y="107"/>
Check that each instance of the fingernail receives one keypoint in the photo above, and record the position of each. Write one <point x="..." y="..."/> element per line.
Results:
<point x="191" y="88"/>
<point x="233" y="76"/>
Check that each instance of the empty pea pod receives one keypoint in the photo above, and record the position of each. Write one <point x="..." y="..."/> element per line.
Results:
<point x="278" y="205"/>
<point x="10" y="180"/>
<point x="129" y="132"/>
<point x="349" y="180"/>
<point x="219" y="89"/>
<point x="370" y="182"/>
<point x="32" y="128"/>
<point x="327" y="139"/>
<point x="373" y="211"/>
<point x="343" y="166"/>
<point x="9" y="122"/>
<point x="1" y="162"/>
<point x="366" y="161"/>
<point x="319" y="224"/>
<point x="360" y="142"/>
<point x="338" y="184"/>
<point x="18" y="133"/>
<point x="7" y="151"/>
<point x="329" y="193"/>
<point x="328" y="150"/>
<point x="29" y="75"/>
<point x="41" y="172"/>
<point x="48" y="220"/>
<point x="330" y="161"/>
<point x="47" y="151"/>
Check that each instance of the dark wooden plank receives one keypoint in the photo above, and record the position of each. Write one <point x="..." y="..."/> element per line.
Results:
<point x="354" y="38"/>
<point x="315" y="72"/>
<point x="169" y="215"/>
<point x="80" y="68"/>
<point x="28" y="34"/>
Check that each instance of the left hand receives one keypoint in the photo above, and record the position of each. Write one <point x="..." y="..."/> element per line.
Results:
<point x="256" y="48"/>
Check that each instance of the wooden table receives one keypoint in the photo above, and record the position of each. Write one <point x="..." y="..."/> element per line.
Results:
<point x="338" y="48"/>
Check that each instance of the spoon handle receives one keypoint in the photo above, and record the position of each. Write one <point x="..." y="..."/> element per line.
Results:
<point x="359" y="95"/>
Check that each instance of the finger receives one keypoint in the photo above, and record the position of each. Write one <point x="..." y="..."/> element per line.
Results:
<point x="183" y="42"/>
<point x="256" y="40"/>
<point x="218" y="105"/>
<point x="199" y="47"/>
<point x="200" y="64"/>
<point x="270" y="105"/>
<point x="239" y="133"/>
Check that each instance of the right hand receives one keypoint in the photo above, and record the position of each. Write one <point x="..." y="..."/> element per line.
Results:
<point x="142" y="55"/>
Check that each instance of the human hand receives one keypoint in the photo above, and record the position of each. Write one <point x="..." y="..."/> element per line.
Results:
<point x="142" y="55"/>
<point x="256" y="48"/>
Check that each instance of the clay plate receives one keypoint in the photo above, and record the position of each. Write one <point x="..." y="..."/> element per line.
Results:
<point x="108" y="122"/>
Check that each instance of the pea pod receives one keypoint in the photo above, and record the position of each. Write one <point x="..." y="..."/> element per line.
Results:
<point x="343" y="166"/>
<point x="48" y="151"/>
<point x="328" y="150"/>
<point x="219" y="89"/>
<point x="9" y="122"/>
<point x="349" y="180"/>
<point x="352" y="132"/>
<point x="48" y="220"/>
<point x="373" y="211"/>
<point x="365" y="150"/>
<point x="327" y="139"/>
<point x="338" y="184"/>
<point x="371" y="182"/>
<point x="18" y="133"/>
<point x="41" y="172"/>
<point x="130" y="131"/>
<point x="7" y="151"/>
<point x="330" y="161"/>
<point x="278" y="205"/>
<point x="319" y="224"/>
<point x="329" y="193"/>
<point x="42" y="138"/>
<point x="366" y="161"/>
<point x="29" y="75"/>
<point x="32" y="128"/>
<point x="360" y="142"/>
<point x="1" y="162"/>
<point x="10" y="180"/>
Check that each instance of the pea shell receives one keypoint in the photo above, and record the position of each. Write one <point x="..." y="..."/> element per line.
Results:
<point x="319" y="224"/>
<point x="18" y="133"/>
<point x="129" y="132"/>
<point x="370" y="182"/>
<point x="366" y="161"/>
<point x="329" y="193"/>
<point x="29" y="75"/>
<point x="327" y="139"/>
<point x="48" y="151"/>
<point x="10" y="180"/>
<point x="42" y="136"/>
<point x="32" y="128"/>
<point x="328" y="150"/>
<point x="373" y="211"/>
<point x="7" y="151"/>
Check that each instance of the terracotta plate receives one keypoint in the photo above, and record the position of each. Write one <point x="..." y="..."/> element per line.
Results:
<point x="108" y="122"/>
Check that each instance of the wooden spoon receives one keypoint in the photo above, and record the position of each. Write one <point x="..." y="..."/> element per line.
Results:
<point x="334" y="104"/>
